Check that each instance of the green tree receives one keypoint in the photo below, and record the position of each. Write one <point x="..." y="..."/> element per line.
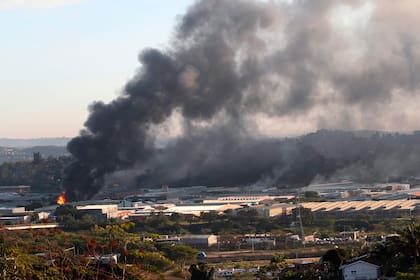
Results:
<point x="412" y="275"/>
<point x="180" y="254"/>
<point x="410" y="237"/>
<point x="277" y="262"/>
<point x="153" y="261"/>
<point x="210" y="217"/>
<point x="72" y="219"/>
<point x="399" y="254"/>
<point x="201" y="272"/>
<point x="334" y="258"/>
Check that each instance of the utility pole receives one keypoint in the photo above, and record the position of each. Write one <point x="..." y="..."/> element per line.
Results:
<point x="302" y="233"/>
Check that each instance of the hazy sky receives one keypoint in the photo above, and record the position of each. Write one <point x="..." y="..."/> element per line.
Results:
<point x="57" y="56"/>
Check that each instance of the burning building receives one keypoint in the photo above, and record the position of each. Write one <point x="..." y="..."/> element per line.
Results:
<point x="61" y="199"/>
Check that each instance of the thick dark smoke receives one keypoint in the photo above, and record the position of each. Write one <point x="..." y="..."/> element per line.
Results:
<point x="205" y="159"/>
<point x="237" y="71"/>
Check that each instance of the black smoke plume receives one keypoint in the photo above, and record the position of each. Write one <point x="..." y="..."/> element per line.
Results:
<point x="238" y="71"/>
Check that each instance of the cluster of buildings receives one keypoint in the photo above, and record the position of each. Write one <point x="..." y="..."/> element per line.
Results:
<point x="353" y="191"/>
<point x="193" y="202"/>
<point x="356" y="270"/>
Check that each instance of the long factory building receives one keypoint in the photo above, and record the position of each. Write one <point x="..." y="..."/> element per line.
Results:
<point x="383" y="208"/>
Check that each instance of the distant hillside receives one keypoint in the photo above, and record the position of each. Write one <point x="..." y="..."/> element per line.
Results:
<point x="326" y="155"/>
<point x="31" y="142"/>
<point x="47" y="151"/>
<point x="42" y="175"/>
<point x="369" y="156"/>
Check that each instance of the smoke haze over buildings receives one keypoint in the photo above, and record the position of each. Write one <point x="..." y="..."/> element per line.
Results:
<point x="236" y="72"/>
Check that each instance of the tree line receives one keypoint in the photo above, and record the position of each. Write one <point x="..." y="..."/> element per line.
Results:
<point x="42" y="174"/>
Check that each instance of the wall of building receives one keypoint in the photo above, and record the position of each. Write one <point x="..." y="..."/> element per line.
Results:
<point x="199" y="240"/>
<point x="360" y="270"/>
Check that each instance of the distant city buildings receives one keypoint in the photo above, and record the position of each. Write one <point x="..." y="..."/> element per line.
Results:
<point x="335" y="200"/>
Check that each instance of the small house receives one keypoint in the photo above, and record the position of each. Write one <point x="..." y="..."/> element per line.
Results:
<point x="360" y="270"/>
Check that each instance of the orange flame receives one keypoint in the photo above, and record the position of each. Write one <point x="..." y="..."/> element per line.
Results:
<point x="61" y="199"/>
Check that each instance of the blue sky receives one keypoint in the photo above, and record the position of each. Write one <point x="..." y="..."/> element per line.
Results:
<point x="57" y="56"/>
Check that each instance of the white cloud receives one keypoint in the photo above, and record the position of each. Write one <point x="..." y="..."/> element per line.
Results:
<point x="34" y="4"/>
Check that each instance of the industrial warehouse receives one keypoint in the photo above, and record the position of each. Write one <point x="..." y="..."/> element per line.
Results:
<point x="265" y="205"/>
